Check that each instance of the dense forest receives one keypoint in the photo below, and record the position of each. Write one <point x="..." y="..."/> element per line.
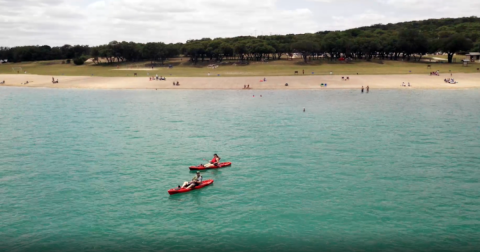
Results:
<point x="405" y="41"/>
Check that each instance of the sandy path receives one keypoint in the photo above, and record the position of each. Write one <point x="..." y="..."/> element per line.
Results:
<point x="278" y="82"/>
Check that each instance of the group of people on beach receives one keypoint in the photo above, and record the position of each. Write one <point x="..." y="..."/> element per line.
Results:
<point x="368" y="89"/>
<point x="246" y="87"/>
<point x="197" y="180"/>
<point x="345" y="79"/>
<point x="158" y="78"/>
<point x="450" y="81"/>
<point x="176" y="84"/>
<point x="3" y="82"/>
<point x="403" y="84"/>
<point x="54" y="81"/>
<point x="437" y="73"/>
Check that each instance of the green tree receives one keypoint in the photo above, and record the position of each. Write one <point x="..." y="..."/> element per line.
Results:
<point x="305" y="48"/>
<point x="227" y="50"/>
<point x="80" y="60"/>
<point x="411" y="42"/>
<point x="454" y="44"/>
<point x="241" y="49"/>
<point x="330" y="44"/>
<point x="95" y="54"/>
<point x="155" y="52"/>
<point x="476" y="47"/>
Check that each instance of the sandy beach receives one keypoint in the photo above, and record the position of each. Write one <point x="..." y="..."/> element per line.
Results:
<point x="465" y="81"/>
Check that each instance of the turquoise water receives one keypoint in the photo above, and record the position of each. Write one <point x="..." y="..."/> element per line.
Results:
<point x="89" y="170"/>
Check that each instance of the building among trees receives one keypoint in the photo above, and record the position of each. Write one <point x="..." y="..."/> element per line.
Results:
<point x="473" y="56"/>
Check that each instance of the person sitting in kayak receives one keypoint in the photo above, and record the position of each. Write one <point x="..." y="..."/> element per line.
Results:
<point x="197" y="180"/>
<point x="215" y="161"/>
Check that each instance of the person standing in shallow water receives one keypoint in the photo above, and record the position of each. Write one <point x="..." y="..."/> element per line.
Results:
<point x="362" y="89"/>
<point x="368" y="89"/>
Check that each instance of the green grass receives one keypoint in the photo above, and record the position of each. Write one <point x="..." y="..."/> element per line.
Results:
<point x="182" y="68"/>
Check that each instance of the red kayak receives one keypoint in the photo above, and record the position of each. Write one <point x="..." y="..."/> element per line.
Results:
<point x="201" y="168"/>
<point x="202" y="185"/>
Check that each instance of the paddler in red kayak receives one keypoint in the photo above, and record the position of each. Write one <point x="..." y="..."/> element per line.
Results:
<point x="197" y="180"/>
<point x="215" y="161"/>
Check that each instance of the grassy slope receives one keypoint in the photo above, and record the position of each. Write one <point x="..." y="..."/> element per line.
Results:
<point x="274" y="68"/>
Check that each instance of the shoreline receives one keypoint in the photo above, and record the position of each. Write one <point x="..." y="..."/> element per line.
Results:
<point x="301" y="82"/>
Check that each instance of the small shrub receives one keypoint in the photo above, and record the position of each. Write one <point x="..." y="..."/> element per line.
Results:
<point x="80" y="60"/>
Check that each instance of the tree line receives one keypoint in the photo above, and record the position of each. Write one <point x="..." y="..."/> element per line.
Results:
<point x="406" y="41"/>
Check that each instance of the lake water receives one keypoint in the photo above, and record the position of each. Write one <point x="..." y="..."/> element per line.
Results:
<point x="89" y="170"/>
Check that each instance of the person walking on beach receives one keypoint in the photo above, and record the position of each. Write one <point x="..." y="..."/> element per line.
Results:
<point x="303" y="71"/>
<point x="362" y="89"/>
